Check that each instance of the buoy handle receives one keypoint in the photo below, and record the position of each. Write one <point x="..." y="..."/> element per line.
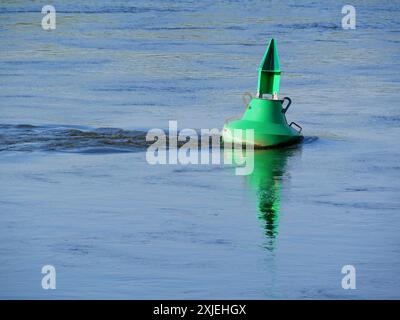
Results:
<point x="288" y="105"/>
<point x="245" y="101"/>
<point x="299" y="127"/>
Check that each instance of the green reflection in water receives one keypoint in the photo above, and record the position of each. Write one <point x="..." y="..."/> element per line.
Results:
<point x="266" y="180"/>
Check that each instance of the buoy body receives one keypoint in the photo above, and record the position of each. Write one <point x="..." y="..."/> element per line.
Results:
<point x="266" y="117"/>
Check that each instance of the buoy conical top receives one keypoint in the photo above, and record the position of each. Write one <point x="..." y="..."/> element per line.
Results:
<point x="269" y="72"/>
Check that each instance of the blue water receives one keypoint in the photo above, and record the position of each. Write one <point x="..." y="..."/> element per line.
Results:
<point x="77" y="193"/>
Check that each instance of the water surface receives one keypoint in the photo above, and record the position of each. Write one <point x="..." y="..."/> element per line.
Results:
<point x="76" y="191"/>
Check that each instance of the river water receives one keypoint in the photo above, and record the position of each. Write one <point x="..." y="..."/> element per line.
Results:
<point x="76" y="191"/>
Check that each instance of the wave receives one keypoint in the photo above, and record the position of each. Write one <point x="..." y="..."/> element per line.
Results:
<point x="80" y="139"/>
<point x="27" y="137"/>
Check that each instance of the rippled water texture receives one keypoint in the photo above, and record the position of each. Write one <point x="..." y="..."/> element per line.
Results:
<point x="76" y="191"/>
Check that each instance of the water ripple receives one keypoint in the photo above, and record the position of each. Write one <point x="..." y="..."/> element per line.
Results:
<point x="79" y="139"/>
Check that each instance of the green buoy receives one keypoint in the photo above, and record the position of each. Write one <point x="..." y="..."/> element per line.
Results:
<point x="265" y="115"/>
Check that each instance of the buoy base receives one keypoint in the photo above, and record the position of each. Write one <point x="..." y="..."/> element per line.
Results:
<point x="268" y="122"/>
